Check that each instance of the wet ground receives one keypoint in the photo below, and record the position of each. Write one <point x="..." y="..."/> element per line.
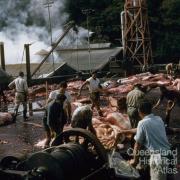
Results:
<point x="18" y="139"/>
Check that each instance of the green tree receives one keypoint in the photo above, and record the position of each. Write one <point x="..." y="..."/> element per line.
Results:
<point x="105" y="21"/>
<point x="165" y="28"/>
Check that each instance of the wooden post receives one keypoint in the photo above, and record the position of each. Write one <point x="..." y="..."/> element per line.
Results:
<point x="30" y="105"/>
<point x="2" y="56"/>
<point x="28" y="69"/>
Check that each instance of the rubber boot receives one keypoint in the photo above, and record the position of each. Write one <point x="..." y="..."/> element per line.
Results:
<point x="24" y="115"/>
<point x="48" y="139"/>
<point x="14" y="115"/>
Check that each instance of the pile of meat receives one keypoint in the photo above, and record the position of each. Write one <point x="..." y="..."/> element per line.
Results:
<point x="124" y="85"/>
<point x="112" y="122"/>
<point x="5" y="118"/>
<point x="74" y="85"/>
<point x="107" y="128"/>
<point x="121" y="89"/>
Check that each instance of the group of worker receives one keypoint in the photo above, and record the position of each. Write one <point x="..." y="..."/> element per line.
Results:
<point x="58" y="106"/>
<point x="149" y="129"/>
<point x="149" y="132"/>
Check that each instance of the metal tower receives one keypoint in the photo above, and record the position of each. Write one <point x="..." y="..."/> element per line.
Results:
<point x="135" y="33"/>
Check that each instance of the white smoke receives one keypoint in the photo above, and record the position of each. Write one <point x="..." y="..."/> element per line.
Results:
<point x="74" y="39"/>
<point x="16" y="33"/>
<point x="17" y="14"/>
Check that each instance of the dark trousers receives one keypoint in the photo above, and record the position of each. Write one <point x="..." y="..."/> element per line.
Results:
<point x="20" y="98"/>
<point x="133" y="116"/>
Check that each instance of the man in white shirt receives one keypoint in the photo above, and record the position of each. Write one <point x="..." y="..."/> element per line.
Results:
<point x="21" y="94"/>
<point x="94" y="89"/>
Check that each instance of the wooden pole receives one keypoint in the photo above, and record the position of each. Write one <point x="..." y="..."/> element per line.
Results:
<point x="28" y="69"/>
<point x="30" y="108"/>
<point x="2" y="56"/>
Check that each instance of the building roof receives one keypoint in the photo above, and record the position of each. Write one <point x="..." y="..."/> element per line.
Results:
<point x="83" y="46"/>
<point x="46" y="70"/>
<point x="79" y="59"/>
<point x="74" y="60"/>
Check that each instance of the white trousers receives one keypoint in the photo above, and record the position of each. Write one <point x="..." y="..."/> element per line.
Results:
<point x="158" y="167"/>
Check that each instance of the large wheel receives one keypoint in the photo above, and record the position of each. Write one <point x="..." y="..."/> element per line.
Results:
<point x="9" y="162"/>
<point x="84" y="138"/>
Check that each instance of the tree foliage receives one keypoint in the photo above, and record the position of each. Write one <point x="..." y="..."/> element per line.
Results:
<point x="164" y="21"/>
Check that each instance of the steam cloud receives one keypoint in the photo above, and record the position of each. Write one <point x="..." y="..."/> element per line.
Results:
<point x="17" y="14"/>
<point x="27" y="22"/>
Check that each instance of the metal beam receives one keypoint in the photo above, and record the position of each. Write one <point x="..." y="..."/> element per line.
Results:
<point x="69" y="26"/>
